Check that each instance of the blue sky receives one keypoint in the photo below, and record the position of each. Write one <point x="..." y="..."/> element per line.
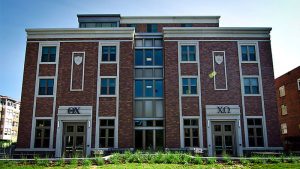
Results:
<point x="16" y="15"/>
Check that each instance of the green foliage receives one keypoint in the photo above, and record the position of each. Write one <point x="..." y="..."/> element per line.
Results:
<point x="41" y="162"/>
<point x="185" y="159"/>
<point x="99" y="161"/>
<point x="159" y="158"/>
<point x="172" y="158"/>
<point x="292" y="159"/>
<point x="198" y="160"/>
<point x="74" y="162"/>
<point x="87" y="162"/>
<point x="60" y="162"/>
<point x="211" y="160"/>
<point x="116" y="158"/>
<point x="244" y="161"/>
<point x="227" y="159"/>
<point x="257" y="160"/>
<point x="274" y="160"/>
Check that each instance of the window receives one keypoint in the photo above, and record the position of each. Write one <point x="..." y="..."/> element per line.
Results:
<point x="255" y="132"/>
<point x="108" y="53"/>
<point x="48" y="54"/>
<point x="188" y="53"/>
<point x="148" y="42"/>
<point x="97" y="24"/>
<point x="191" y="133"/>
<point x="42" y="133"/>
<point x="148" y="108"/>
<point x="251" y="86"/>
<point x="148" y="88"/>
<point x="189" y="86"/>
<point x="148" y="57"/>
<point x="248" y="53"/>
<point x="7" y="131"/>
<point x="149" y="72"/>
<point x="108" y="86"/>
<point x="152" y="28"/>
<point x="186" y="25"/>
<point x="46" y="86"/>
<point x="283" y="110"/>
<point x="107" y="132"/>
<point x="283" y="128"/>
<point x="281" y="91"/>
<point x="298" y="82"/>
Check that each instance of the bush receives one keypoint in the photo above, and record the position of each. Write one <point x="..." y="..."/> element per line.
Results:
<point x="99" y="161"/>
<point x="159" y="158"/>
<point x="292" y="159"/>
<point x="211" y="160"/>
<point x="186" y="159"/>
<point x="115" y="158"/>
<point x="60" y="162"/>
<point x="127" y="156"/>
<point x="74" y="162"/>
<point x="257" y="160"/>
<point x="172" y="158"/>
<point x="244" y="161"/>
<point x="226" y="159"/>
<point x="87" y="162"/>
<point x="41" y="162"/>
<point x="198" y="160"/>
<point x="273" y="160"/>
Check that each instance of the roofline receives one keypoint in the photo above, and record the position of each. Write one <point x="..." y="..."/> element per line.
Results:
<point x="98" y="15"/>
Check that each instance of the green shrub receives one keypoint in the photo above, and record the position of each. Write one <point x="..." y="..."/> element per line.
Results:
<point x="244" y="161"/>
<point x="226" y="159"/>
<point x="185" y="159"/>
<point x="211" y="160"/>
<point x="292" y="159"/>
<point x="159" y="158"/>
<point x="198" y="160"/>
<point x="74" y="162"/>
<point x="60" y="162"/>
<point x="99" y="161"/>
<point x="257" y="160"/>
<point x="273" y="160"/>
<point x="127" y="156"/>
<point x="116" y="158"/>
<point x="41" y="162"/>
<point x="172" y="158"/>
<point x="87" y="162"/>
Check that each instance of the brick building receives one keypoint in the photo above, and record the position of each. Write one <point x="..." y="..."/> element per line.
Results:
<point x="148" y="82"/>
<point x="288" y="103"/>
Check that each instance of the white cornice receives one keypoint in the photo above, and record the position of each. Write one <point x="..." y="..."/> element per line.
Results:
<point x="259" y="32"/>
<point x="122" y="32"/>
<point x="169" y="19"/>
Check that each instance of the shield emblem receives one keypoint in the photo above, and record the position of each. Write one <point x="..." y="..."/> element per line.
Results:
<point x="219" y="59"/>
<point x="78" y="60"/>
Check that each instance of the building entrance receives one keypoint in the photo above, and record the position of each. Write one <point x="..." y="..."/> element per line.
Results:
<point x="223" y="138"/>
<point x="74" y="139"/>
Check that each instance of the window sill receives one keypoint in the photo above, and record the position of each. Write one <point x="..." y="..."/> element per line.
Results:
<point x="45" y="96"/>
<point x="47" y="63"/>
<point x="108" y="62"/>
<point x="189" y="61"/>
<point x="107" y="95"/>
<point x="252" y="94"/>
<point x="190" y="95"/>
<point x="249" y="61"/>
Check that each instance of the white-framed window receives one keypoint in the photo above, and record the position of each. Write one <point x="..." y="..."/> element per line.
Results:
<point x="109" y="52"/>
<point x="281" y="91"/>
<point x="107" y="133"/>
<point x="188" y="52"/>
<point x="189" y="85"/>
<point x="298" y="82"/>
<point x="248" y="52"/>
<point x="191" y="132"/>
<point x="251" y="85"/>
<point x="42" y="133"/>
<point x="46" y="86"/>
<point x="284" y="110"/>
<point x="108" y="86"/>
<point x="255" y="132"/>
<point x="283" y="128"/>
<point x="48" y="52"/>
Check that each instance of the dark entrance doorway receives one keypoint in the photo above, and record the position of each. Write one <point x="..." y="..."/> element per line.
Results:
<point x="74" y="139"/>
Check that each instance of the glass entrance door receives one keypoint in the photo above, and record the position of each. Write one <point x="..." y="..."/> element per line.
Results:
<point x="74" y="139"/>
<point x="223" y="138"/>
<point x="149" y="139"/>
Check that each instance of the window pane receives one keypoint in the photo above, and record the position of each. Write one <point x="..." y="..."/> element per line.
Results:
<point x="260" y="142"/>
<point x="112" y="53"/>
<point x="185" y="82"/>
<point x="148" y="42"/>
<point x="159" y="139"/>
<point x="138" y="57"/>
<point x="42" y="87"/>
<point x="159" y="109"/>
<point x="148" y="108"/>
<point x="138" y="72"/>
<point x="110" y="142"/>
<point x="110" y="132"/>
<point x="252" y="53"/>
<point x="258" y="131"/>
<point x="193" y="86"/>
<point x="157" y="43"/>
<point x="185" y="90"/>
<point x="158" y="73"/>
<point x="194" y="122"/>
<point x="192" y="53"/>
<point x="187" y="142"/>
<point x="158" y="88"/>
<point x="138" y="88"/>
<point x="250" y="131"/>
<point x="139" y="43"/>
<point x="47" y="132"/>
<point x="186" y="122"/>
<point x="103" y="122"/>
<point x="148" y="72"/>
<point x="138" y="108"/>
<point x="50" y="86"/>
<point x="186" y="132"/>
<point x="158" y="57"/>
<point x="195" y="132"/>
<point x="104" y="86"/>
<point x="104" y="53"/>
<point x="257" y="121"/>
<point x="251" y="142"/>
<point x="148" y="88"/>
<point x="148" y="57"/>
<point x="244" y="53"/>
<point x="250" y="121"/>
<point x="110" y="122"/>
<point x="112" y="84"/>
<point x="195" y="142"/>
<point x="184" y="53"/>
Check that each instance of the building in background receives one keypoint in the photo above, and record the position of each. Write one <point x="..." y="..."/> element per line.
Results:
<point x="9" y="118"/>
<point x="288" y="103"/>
<point x="148" y="82"/>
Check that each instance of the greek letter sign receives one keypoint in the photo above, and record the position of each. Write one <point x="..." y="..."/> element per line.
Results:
<point x="223" y="109"/>
<point x="73" y="110"/>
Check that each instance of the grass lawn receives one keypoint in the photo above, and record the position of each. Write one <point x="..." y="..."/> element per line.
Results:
<point x="161" y="166"/>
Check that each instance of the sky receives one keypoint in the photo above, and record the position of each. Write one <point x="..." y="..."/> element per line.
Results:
<point x="17" y="15"/>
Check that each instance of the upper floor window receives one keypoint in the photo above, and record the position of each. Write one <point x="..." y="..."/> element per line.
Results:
<point x="188" y="53"/>
<point x="148" y="57"/>
<point x="251" y="86"/>
<point x="98" y="24"/>
<point x="186" y="25"/>
<point x="148" y="88"/>
<point x="148" y="42"/>
<point x="109" y="53"/>
<point x="281" y="91"/>
<point x="248" y="53"/>
<point x="42" y="133"/>
<point x="189" y="86"/>
<point x="284" y="110"/>
<point x="152" y="28"/>
<point x="191" y="133"/>
<point x="48" y="54"/>
<point x="283" y="128"/>
<point x="298" y="82"/>
<point x="46" y="86"/>
<point x="108" y="86"/>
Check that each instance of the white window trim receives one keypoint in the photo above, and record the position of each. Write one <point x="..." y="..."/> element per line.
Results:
<point x="258" y="84"/>
<point x="45" y="44"/>
<point x="116" y="85"/>
<point x="117" y="45"/>
<point x="281" y="91"/>
<point x="189" y="95"/>
<point x="225" y="69"/>
<point x="256" y="51"/>
<point x="262" y="126"/>
<point x="83" y="65"/>
<point x="196" y="44"/>
<point x="34" y="128"/>
<point x="298" y="83"/>
<point x="54" y="86"/>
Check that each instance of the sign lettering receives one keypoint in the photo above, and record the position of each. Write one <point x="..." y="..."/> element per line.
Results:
<point x="224" y="109"/>
<point x="73" y="110"/>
